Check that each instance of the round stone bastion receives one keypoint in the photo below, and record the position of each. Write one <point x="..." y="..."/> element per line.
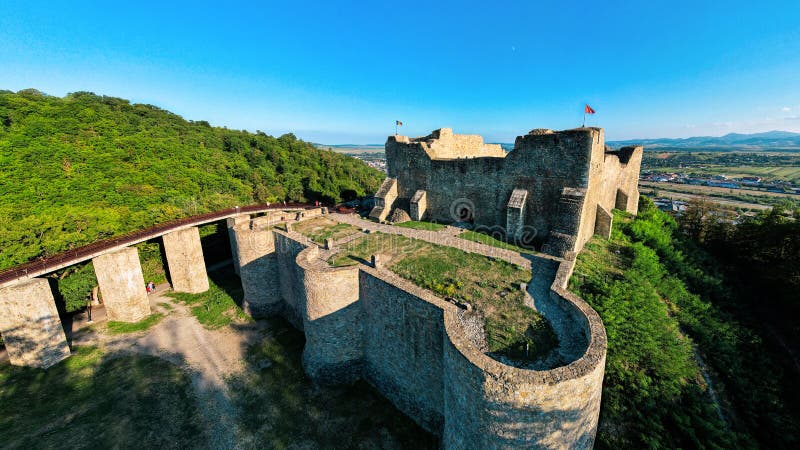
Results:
<point x="363" y="322"/>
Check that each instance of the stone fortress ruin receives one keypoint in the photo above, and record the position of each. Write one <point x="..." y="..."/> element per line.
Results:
<point x="365" y="322"/>
<point x="554" y="190"/>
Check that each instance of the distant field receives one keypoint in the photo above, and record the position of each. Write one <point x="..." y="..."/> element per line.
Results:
<point x="782" y="173"/>
<point x="769" y="165"/>
<point x="708" y="190"/>
<point x="353" y="149"/>
<point x="687" y="197"/>
<point x="734" y="198"/>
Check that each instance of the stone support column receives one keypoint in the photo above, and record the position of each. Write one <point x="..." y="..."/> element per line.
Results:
<point x="233" y="222"/>
<point x="30" y="325"/>
<point x="258" y="269"/>
<point x="187" y="269"/>
<point x="119" y="275"/>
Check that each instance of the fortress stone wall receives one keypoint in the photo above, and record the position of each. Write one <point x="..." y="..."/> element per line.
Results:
<point x="363" y="322"/>
<point x="562" y="178"/>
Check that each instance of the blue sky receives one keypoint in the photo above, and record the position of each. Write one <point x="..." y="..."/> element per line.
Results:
<point x="342" y="72"/>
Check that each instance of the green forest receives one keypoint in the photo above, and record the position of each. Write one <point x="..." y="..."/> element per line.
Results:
<point x="700" y="310"/>
<point x="86" y="167"/>
<point x="701" y="332"/>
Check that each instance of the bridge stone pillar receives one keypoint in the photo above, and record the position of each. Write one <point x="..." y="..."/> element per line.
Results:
<point x="30" y="324"/>
<point x="119" y="275"/>
<point x="233" y="222"/>
<point x="258" y="269"/>
<point x="187" y="269"/>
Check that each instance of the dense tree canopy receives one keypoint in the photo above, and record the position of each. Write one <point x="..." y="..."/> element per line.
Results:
<point x="85" y="167"/>
<point x="689" y="364"/>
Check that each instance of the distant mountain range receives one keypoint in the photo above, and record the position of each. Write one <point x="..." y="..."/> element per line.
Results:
<point x="768" y="141"/>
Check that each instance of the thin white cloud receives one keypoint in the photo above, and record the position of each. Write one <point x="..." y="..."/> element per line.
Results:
<point x="786" y="109"/>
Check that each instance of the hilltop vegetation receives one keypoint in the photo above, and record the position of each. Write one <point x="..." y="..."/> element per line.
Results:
<point x="687" y="366"/>
<point x="86" y="167"/>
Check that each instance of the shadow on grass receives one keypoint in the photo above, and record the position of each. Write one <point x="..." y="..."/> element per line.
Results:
<point x="230" y="283"/>
<point x="93" y="400"/>
<point x="281" y="407"/>
<point x="221" y="304"/>
<point x="134" y="327"/>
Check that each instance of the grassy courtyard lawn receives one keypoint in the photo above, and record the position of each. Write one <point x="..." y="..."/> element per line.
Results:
<point x="320" y="228"/>
<point x="281" y="408"/>
<point x="142" y="325"/>
<point x="476" y="236"/>
<point x="219" y="305"/>
<point x="427" y="226"/>
<point x="490" y="286"/>
<point x="89" y="401"/>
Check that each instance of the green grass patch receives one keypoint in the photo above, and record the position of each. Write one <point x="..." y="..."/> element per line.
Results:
<point x="90" y="401"/>
<point x="152" y="262"/>
<point x="661" y="297"/>
<point x="654" y="394"/>
<point x="219" y="305"/>
<point x="319" y="229"/>
<point x="281" y="408"/>
<point x="133" y="327"/>
<point x="417" y="225"/>
<point x="166" y="306"/>
<point x="476" y="236"/>
<point x="490" y="286"/>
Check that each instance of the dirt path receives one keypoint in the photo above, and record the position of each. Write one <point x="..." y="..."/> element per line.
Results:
<point x="208" y="355"/>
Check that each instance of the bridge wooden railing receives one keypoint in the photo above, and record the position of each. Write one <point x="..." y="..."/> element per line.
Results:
<point x="67" y="258"/>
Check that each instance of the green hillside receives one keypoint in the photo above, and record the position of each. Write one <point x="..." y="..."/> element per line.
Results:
<point x="85" y="167"/>
<point x="687" y="364"/>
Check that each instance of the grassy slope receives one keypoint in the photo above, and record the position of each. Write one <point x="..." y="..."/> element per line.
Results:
<point x="219" y="305"/>
<point x="654" y="393"/>
<point x="490" y="286"/>
<point x="134" y="327"/>
<point x="90" y="401"/>
<point x="281" y="408"/>
<point x="83" y="167"/>
<point x="484" y="238"/>
<point x="319" y="229"/>
<point x="417" y="225"/>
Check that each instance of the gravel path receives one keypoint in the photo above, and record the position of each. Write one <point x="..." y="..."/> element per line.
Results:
<point x="208" y="355"/>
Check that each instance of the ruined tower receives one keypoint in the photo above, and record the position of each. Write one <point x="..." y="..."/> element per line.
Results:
<point x="553" y="191"/>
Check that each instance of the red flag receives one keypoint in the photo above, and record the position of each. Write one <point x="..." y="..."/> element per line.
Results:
<point x="588" y="110"/>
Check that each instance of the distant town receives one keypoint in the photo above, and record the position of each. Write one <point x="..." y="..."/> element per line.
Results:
<point x="744" y="181"/>
<point x="722" y="181"/>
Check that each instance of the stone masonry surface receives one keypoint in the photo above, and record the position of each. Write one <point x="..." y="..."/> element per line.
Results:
<point x="567" y="175"/>
<point x="119" y="275"/>
<point x="365" y="322"/>
<point x="30" y="324"/>
<point x="417" y="349"/>
<point x="187" y="269"/>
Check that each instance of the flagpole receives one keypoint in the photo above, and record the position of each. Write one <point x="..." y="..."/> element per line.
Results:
<point x="395" y="128"/>
<point x="584" y="118"/>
